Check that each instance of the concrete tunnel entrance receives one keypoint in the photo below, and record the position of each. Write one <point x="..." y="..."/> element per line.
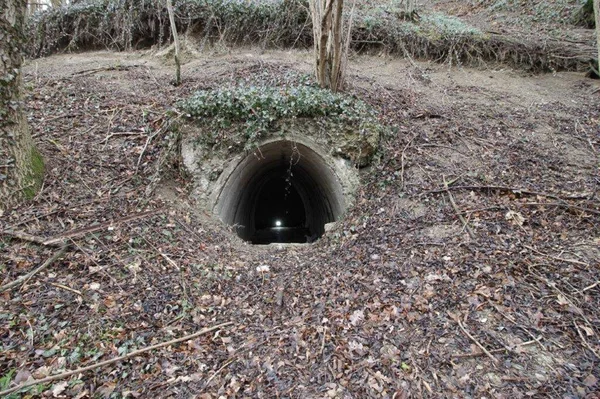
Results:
<point x="284" y="192"/>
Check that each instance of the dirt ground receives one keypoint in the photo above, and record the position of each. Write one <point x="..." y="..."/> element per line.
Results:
<point x="401" y="300"/>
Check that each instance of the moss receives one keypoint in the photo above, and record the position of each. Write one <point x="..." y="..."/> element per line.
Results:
<point x="33" y="181"/>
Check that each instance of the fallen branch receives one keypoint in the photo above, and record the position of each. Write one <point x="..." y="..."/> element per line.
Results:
<point x="64" y="287"/>
<point x="29" y="275"/>
<point x="162" y="128"/>
<point x="403" y="160"/>
<point x="27" y="237"/>
<point x="589" y="287"/>
<point x="563" y="205"/>
<point x="111" y="135"/>
<point x="584" y="341"/>
<point x="103" y="69"/>
<point x="477" y="342"/>
<point x="513" y="190"/>
<point x="92" y="229"/>
<point x="576" y="262"/>
<point x="458" y="213"/>
<point x="477" y="354"/>
<point x="111" y="361"/>
<point x="231" y="360"/>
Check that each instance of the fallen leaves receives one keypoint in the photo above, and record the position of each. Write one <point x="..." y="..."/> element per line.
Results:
<point x="386" y="284"/>
<point x="59" y="388"/>
<point x="357" y="317"/>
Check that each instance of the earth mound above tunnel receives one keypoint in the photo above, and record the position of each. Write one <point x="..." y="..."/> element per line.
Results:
<point x="278" y="164"/>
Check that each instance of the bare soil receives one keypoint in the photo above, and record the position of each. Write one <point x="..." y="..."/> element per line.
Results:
<point x="396" y="302"/>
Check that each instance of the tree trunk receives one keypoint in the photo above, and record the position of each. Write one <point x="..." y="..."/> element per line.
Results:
<point x="330" y="52"/>
<point x="176" y="41"/>
<point x="597" y="15"/>
<point x="21" y="166"/>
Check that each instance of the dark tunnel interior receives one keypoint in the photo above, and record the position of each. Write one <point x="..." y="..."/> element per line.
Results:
<point x="283" y="193"/>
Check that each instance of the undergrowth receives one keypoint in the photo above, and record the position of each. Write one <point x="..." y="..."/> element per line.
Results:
<point x="130" y="24"/>
<point x="555" y="11"/>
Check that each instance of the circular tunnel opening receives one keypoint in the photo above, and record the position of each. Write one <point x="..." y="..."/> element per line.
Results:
<point x="284" y="192"/>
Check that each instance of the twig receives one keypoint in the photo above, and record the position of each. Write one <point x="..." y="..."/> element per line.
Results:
<point x="512" y="320"/>
<point x="218" y="371"/>
<point x="576" y="262"/>
<point x="403" y="157"/>
<point x="27" y="237"/>
<point x="585" y="343"/>
<point x="111" y="135"/>
<point x="104" y="69"/>
<point x="499" y="350"/>
<point x="443" y="146"/>
<point x="86" y="230"/>
<point x="29" y="275"/>
<point x="148" y="140"/>
<point x="236" y="354"/>
<point x="477" y="354"/>
<point x="64" y="287"/>
<point x="458" y="213"/>
<point x="477" y="342"/>
<point x="171" y="261"/>
<point x="111" y="361"/>
<point x="513" y="190"/>
<point x="61" y="116"/>
<point x="562" y="205"/>
<point x="589" y="287"/>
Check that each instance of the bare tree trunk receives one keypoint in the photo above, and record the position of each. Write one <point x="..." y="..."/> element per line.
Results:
<point x="328" y="24"/>
<point x="176" y="40"/>
<point x="597" y="16"/>
<point x="336" y="47"/>
<point x="21" y="166"/>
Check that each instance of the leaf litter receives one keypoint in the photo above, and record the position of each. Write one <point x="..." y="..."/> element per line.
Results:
<point x="397" y="301"/>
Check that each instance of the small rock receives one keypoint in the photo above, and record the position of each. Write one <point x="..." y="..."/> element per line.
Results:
<point x="330" y="226"/>
<point x="590" y="380"/>
<point x="263" y="269"/>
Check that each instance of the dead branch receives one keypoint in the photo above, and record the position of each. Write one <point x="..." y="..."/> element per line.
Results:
<point x="584" y="341"/>
<point x="458" y="212"/>
<point x="64" y="287"/>
<point x="111" y="361"/>
<point x="27" y="237"/>
<point x="111" y="135"/>
<point x="589" y="287"/>
<point x="563" y="205"/>
<point x="573" y="261"/>
<point x="29" y="275"/>
<point x="513" y="190"/>
<point x="104" y="69"/>
<point x="477" y="354"/>
<point x="161" y="129"/>
<point x="92" y="229"/>
<point x="403" y="160"/>
<point x="476" y="342"/>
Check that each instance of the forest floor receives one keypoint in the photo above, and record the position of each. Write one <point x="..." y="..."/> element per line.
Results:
<point x="396" y="302"/>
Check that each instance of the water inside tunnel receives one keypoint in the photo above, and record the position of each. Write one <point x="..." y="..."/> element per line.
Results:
<point x="284" y="192"/>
